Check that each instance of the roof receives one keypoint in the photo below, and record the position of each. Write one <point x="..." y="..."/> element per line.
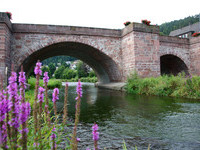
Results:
<point x="191" y="28"/>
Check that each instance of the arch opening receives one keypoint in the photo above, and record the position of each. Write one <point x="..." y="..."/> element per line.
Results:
<point x="97" y="60"/>
<point x="172" y="65"/>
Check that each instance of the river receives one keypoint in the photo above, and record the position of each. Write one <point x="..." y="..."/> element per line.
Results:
<point x="163" y="122"/>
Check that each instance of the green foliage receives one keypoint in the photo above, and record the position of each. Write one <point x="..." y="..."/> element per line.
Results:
<point x="88" y="79"/>
<point x="52" y="69"/>
<point x="92" y="74"/>
<point x="69" y="74"/>
<point x="83" y="79"/>
<point x="175" y="86"/>
<point x="82" y="70"/>
<point x="58" y="59"/>
<point x="46" y="69"/>
<point x="58" y="73"/>
<point x="53" y="83"/>
<point x="166" y="28"/>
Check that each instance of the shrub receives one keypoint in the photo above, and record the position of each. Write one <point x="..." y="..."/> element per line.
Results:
<point x="176" y="86"/>
<point x="58" y="73"/>
<point x="69" y="74"/>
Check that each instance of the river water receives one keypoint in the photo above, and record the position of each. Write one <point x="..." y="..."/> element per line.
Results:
<point x="163" y="122"/>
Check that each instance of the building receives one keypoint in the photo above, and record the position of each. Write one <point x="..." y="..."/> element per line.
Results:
<point x="187" y="31"/>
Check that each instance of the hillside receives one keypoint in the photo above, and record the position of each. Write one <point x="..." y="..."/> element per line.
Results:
<point x="167" y="27"/>
<point x="58" y="59"/>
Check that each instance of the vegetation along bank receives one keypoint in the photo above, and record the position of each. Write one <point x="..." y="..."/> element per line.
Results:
<point x="174" y="86"/>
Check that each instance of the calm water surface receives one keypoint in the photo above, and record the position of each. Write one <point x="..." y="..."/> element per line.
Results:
<point x="163" y="122"/>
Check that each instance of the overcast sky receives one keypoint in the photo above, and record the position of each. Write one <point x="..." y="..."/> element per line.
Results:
<point x="98" y="13"/>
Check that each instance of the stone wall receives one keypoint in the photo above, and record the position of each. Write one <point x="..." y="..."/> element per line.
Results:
<point x="101" y="46"/>
<point x="5" y="45"/>
<point x="176" y="46"/>
<point x="140" y="50"/>
<point x="195" y="55"/>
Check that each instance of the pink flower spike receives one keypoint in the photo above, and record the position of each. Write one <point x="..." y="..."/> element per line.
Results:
<point x="95" y="133"/>
<point x="41" y="94"/>
<point x="55" y="95"/>
<point x="37" y="69"/>
<point x="79" y="89"/>
<point x="46" y="78"/>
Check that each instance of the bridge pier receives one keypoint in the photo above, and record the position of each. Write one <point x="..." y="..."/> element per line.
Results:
<point x="5" y="46"/>
<point x="140" y="50"/>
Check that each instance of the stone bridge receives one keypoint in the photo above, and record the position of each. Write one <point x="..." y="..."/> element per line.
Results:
<point x="113" y="54"/>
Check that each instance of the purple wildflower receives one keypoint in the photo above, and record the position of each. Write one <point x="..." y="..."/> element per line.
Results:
<point x="54" y="129"/>
<point x="3" y="106"/>
<point x="3" y="135"/>
<point x="55" y="95"/>
<point x="22" y="84"/>
<point x="37" y="69"/>
<point x="41" y="94"/>
<point x="12" y="87"/>
<point x="14" y="98"/>
<point x="22" y="79"/>
<point x="79" y="89"/>
<point x="25" y="112"/>
<point x="46" y="78"/>
<point x="15" y="108"/>
<point x="53" y="137"/>
<point x="3" y="111"/>
<point x="95" y="133"/>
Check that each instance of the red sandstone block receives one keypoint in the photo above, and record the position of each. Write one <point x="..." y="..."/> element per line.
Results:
<point x="2" y="46"/>
<point x="2" y="39"/>
<point x="18" y="46"/>
<point x="18" y="37"/>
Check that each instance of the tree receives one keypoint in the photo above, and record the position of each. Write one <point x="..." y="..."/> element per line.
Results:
<point x="58" y="73"/>
<point x="82" y="69"/>
<point x="69" y="73"/>
<point x="92" y="74"/>
<point x="45" y="69"/>
<point x="52" y="69"/>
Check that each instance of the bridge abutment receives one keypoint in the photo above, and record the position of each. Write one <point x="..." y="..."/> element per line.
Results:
<point x="140" y="50"/>
<point x="195" y="55"/>
<point x="5" y="46"/>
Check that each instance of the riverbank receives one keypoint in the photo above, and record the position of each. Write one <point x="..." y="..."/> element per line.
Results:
<point x="118" y="86"/>
<point x="173" y="86"/>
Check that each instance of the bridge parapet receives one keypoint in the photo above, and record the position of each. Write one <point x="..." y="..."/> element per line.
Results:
<point x="5" y="19"/>
<point x="65" y="30"/>
<point x="172" y="39"/>
<point x="140" y="28"/>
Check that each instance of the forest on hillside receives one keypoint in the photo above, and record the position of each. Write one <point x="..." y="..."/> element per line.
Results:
<point x="58" y="59"/>
<point x="167" y="27"/>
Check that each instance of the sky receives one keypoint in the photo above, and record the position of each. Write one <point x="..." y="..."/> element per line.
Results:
<point x="98" y="13"/>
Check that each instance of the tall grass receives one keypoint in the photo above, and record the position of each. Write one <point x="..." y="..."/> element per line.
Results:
<point x="174" y="86"/>
<point x="53" y="83"/>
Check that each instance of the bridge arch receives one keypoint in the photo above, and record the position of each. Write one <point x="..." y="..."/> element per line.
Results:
<point x="171" y="64"/>
<point x="101" y="63"/>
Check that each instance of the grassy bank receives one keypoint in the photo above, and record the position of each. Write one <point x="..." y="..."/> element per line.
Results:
<point x="174" y="86"/>
<point x="53" y="83"/>
<point x="83" y="79"/>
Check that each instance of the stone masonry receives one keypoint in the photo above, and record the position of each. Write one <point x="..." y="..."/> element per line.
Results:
<point x="113" y="54"/>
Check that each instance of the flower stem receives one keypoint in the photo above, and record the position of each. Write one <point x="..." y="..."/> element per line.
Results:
<point x="65" y="105"/>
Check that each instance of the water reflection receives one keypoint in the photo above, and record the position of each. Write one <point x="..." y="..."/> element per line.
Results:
<point x="165" y="123"/>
